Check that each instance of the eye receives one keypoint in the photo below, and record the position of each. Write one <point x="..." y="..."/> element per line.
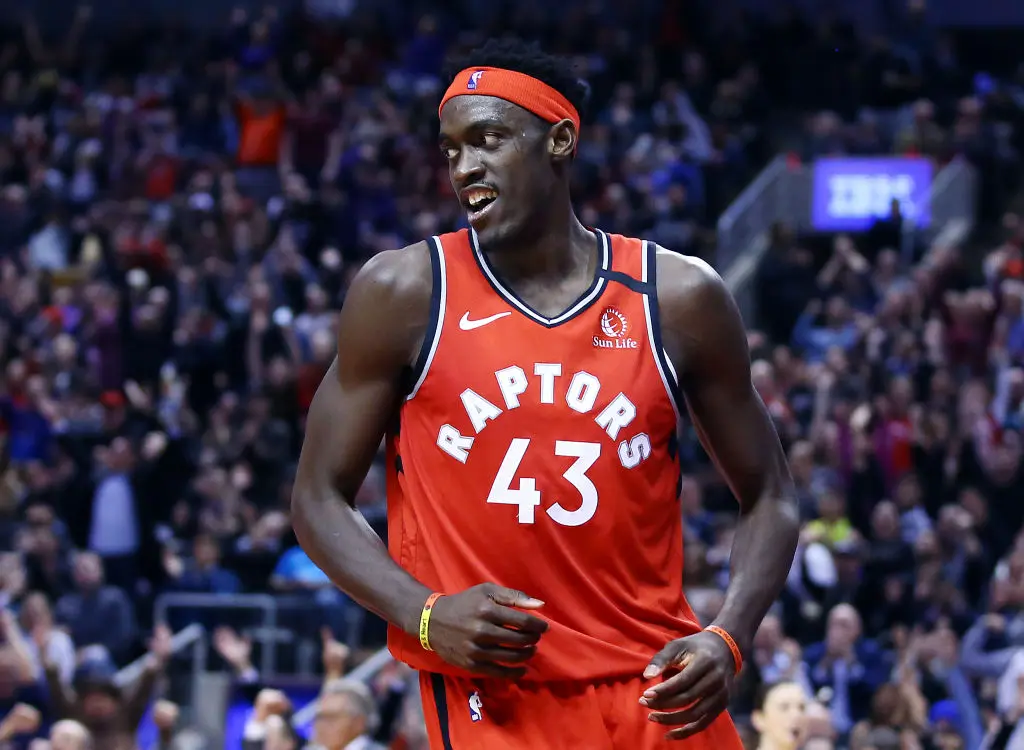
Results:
<point x="491" y="140"/>
<point x="450" y="152"/>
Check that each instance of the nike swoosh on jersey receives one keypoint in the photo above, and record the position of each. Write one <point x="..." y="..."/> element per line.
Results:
<point x="468" y="325"/>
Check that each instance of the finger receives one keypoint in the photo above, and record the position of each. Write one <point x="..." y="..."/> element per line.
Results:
<point x="326" y="635"/>
<point x="498" y="655"/>
<point x="712" y="712"/>
<point x="709" y="684"/>
<point x="513" y="598"/>
<point x="691" y="672"/>
<point x="507" y="617"/>
<point x="690" y="713"/>
<point x="673" y="655"/>
<point x="492" y="635"/>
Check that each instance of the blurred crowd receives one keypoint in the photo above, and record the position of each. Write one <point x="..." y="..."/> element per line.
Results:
<point x="180" y="215"/>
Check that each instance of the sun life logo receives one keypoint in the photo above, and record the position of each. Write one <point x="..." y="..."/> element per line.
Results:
<point x="614" y="326"/>
<point x="474" y="80"/>
<point x="613" y="323"/>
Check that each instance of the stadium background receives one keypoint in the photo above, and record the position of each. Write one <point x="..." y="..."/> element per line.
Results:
<point x="187" y="187"/>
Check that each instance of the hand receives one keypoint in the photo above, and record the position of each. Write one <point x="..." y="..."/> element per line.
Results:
<point x="173" y="564"/>
<point x="165" y="715"/>
<point x="335" y="655"/>
<point x="160" y="644"/>
<point x="792" y="649"/>
<point x="995" y="623"/>
<point x="270" y="703"/>
<point x="233" y="648"/>
<point x="826" y="380"/>
<point x="23" y="719"/>
<point x="154" y="444"/>
<point x="909" y="740"/>
<point x="704" y="670"/>
<point x="484" y="630"/>
<point x="41" y="636"/>
<point x="259" y="322"/>
<point x="392" y="676"/>
<point x="8" y="625"/>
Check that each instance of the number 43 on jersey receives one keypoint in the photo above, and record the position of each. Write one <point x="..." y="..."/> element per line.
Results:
<point x="528" y="498"/>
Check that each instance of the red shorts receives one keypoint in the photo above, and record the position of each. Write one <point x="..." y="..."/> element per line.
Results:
<point x="464" y="714"/>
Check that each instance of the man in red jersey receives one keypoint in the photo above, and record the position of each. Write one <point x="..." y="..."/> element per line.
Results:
<point x="528" y="375"/>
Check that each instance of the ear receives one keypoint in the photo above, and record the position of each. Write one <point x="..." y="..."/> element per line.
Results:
<point x="757" y="720"/>
<point x="562" y="140"/>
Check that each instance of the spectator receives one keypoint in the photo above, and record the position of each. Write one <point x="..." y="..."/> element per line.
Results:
<point x="70" y="735"/>
<point x="97" y="614"/>
<point x="111" y="714"/>
<point x="165" y="718"/>
<point x="202" y="572"/>
<point x="346" y="717"/>
<point x="779" y="716"/>
<point x="850" y="666"/>
<point x="47" y="644"/>
<point x="21" y="721"/>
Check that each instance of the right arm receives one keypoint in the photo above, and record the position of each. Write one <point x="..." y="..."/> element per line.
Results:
<point x="380" y="330"/>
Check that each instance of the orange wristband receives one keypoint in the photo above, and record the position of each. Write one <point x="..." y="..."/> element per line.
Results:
<point x="722" y="633"/>
<point x="425" y="620"/>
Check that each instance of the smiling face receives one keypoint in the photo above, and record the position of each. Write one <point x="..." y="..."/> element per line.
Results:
<point x="502" y="164"/>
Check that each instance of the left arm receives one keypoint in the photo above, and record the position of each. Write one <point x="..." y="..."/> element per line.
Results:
<point x="705" y="340"/>
<point x="708" y="346"/>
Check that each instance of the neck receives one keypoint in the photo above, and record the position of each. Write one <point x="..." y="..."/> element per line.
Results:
<point x="554" y="244"/>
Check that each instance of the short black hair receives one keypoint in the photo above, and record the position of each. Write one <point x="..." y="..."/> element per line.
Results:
<point x="525" y="57"/>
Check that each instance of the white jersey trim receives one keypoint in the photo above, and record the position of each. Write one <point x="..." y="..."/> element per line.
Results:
<point x="441" y="296"/>
<point x="595" y="291"/>
<point x="661" y="359"/>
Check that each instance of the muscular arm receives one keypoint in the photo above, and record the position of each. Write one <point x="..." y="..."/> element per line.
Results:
<point x="706" y="342"/>
<point x="380" y="331"/>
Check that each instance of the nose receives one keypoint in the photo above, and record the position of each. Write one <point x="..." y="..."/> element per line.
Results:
<point x="467" y="168"/>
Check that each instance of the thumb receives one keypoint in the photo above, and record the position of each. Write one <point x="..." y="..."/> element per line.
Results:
<point x="672" y="655"/>
<point x="326" y="636"/>
<point x="513" y="598"/>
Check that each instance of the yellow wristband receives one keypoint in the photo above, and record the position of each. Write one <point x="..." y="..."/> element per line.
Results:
<point x="425" y="620"/>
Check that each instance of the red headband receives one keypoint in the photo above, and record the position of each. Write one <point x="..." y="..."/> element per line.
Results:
<point x="526" y="91"/>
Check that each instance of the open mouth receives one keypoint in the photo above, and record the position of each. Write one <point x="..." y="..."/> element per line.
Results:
<point x="478" y="201"/>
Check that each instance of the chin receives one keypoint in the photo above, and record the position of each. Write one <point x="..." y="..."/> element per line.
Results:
<point x="495" y="236"/>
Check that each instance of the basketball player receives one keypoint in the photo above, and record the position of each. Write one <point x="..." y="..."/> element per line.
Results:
<point x="528" y="374"/>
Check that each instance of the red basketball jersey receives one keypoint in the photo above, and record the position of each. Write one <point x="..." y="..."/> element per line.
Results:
<point x="540" y="454"/>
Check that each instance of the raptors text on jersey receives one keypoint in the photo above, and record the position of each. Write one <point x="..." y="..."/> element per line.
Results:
<point x="540" y="453"/>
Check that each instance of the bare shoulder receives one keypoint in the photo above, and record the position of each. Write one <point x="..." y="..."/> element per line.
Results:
<point x="697" y="312"/>
<point x="690" y="292"/>
<point x="400" y="276"/>
<point x="387" y="309"/>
